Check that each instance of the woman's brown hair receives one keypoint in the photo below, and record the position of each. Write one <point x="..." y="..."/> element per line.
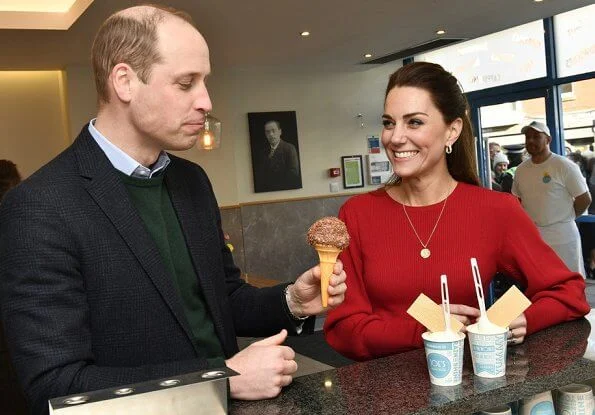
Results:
<point x="448" y="97"/>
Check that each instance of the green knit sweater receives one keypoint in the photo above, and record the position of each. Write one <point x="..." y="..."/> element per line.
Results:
<point x="154" y="205"/>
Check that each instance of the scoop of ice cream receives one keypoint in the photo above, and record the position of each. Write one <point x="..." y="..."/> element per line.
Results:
<point x="444" y="336"/>
<point x="485" y="326"/>
<point x="329" y="231"/>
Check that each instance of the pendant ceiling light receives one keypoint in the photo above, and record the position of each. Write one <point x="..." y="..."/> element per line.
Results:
<point x="209" y="137"/>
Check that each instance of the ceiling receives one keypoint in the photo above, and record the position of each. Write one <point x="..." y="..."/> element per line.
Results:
<point x="266" y="32"/>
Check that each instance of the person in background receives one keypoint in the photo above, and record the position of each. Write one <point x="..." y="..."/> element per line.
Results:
<point x="591" y="264"/>
<point x="430" y="219"/>
<point x="579" y="160"/>
<point x="494" y="149"/>
<point x="591" y="182"/>
<point x="279" y="167"/>
<point x="9" y="177"/>
<point x="553" y="191"/>
<point x="113" y="265"/>
<point x="589" y="153"/>
<point x="500" y="167"/>
<point x="516" y="154"/>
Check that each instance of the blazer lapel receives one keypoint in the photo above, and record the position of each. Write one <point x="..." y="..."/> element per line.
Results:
<point x="110" y="194"/>
<point x="202" y="238"/>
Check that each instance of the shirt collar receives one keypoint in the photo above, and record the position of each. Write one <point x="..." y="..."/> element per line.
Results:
<point x="122" y="161"/>
<point x="272" y="149"/>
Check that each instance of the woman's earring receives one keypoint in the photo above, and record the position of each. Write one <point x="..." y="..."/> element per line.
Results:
<point x="448" y="149"/>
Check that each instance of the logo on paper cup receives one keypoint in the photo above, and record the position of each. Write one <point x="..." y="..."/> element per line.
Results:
<point x="486" y="368"/>
<point x="477" y="348"/>
<point x="543" y="408"/>
<point x="439" y="365"/>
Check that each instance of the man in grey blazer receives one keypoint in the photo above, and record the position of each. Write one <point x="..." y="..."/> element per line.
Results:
<point x="113" y="266"/>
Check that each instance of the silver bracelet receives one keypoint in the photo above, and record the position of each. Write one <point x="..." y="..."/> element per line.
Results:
<point x="289" y="309"/>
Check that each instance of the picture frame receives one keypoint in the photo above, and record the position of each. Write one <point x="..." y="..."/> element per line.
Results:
<point x="275" y="151"/>
<point x="353" y="171"/>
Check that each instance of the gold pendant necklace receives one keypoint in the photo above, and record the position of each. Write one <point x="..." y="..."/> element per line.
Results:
<point x="425" y="252"/>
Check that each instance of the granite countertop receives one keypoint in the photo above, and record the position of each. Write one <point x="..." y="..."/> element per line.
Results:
<point x="400" y="384"/>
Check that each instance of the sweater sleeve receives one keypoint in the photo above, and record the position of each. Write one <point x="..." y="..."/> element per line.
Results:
<point x="557" y="294"/>
<point x="355" y="329"/>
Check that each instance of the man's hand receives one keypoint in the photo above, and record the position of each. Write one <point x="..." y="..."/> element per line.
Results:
<point x="304" y="294"/>
<point x="264" y="367"/>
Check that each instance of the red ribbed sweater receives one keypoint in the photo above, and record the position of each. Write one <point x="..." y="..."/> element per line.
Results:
<point x="385" y="272"/>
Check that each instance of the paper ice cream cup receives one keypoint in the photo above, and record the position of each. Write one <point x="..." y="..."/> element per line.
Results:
<point x="540" y="404"/>
<point x="488" y="352"/>
<point x="575" y="399"/>
<point x="445" y="360"/>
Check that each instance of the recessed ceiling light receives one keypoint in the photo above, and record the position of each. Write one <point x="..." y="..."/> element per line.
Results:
<point x="41" y="14"/>
<point x="368" y="55"/>
<point x="537" y="1"/>
<point x="54" y="6"/>
<point x="440" y="32"/>
<point x="305" y="33"/>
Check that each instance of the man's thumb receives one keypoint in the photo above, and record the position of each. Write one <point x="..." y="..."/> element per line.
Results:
<point x="275" y="340"/>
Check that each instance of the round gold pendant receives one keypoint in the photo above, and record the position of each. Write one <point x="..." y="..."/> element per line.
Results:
<point x="425" y="253"/>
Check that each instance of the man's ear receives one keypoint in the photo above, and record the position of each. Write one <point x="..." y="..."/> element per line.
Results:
<point x="122" y="79"/>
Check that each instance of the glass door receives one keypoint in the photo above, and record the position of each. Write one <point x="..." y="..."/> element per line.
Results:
<point x="497" y="123"/>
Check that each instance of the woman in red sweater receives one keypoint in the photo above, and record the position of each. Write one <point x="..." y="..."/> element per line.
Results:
<point x="430" y="219"/>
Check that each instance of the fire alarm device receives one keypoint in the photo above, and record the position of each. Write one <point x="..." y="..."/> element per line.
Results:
<point x="334" y="172"/>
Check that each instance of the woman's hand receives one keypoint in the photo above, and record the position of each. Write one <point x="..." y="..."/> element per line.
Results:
<point x="517" y="330"/>
<point x="465" y="314"/>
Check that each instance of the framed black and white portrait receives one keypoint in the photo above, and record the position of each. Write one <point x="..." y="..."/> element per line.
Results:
<point x="275" y="151"/>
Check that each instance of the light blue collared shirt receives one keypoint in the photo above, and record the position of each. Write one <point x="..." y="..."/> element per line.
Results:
<point x="123" y="162"/>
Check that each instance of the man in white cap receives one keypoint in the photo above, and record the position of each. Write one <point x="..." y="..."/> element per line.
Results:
<point x="553" y="192"/>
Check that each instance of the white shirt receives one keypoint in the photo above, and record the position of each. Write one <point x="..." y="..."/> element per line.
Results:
<point x="547" y="190"/>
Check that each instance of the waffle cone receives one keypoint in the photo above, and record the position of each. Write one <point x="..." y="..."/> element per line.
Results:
<point x="327" y="256"/>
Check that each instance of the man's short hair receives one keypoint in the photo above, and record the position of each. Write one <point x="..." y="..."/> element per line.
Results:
<point x="133" y="40"/>
<point x="275" y="121"/>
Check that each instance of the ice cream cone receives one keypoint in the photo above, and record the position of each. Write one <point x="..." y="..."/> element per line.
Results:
<point x="328" y="256"/>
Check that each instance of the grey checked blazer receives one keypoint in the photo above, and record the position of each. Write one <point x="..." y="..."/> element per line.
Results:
<point x="86" y="300"/>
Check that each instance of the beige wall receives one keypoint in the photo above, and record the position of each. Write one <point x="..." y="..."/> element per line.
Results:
<point x="327" y="101"/>
<point x="82" y="101"/>
<point x="33" y="117"/>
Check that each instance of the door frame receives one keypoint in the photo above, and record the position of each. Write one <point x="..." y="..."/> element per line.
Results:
<point x="476" y="102"/>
